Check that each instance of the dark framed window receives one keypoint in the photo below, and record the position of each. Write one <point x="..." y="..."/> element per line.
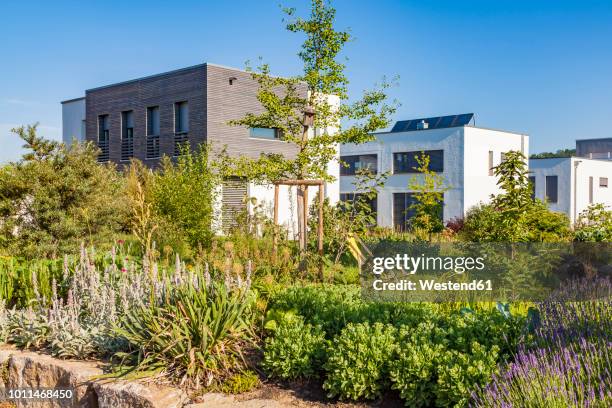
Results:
<point x="532" y="186"/>
<point x="181" y="117"/>
<point x="406" y="162"/>
<point x="552" y="184"/>
<point x="152" y="132"/>
<point x="491" y="166"/>
<point x="590" y="190"/>
<point x="265" y="133"/>
<point x="103" y="137"/>
<point x="127" y="135"/>
<point x="603" y="182"/>
<point x="181" y="126"/>
<point x="403" y="211"/>
<point x="372" y="202"/>
<point x="358" y="162"/>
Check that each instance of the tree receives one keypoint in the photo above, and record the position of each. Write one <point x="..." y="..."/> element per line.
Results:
<point x="428" y="191"/>
<point x="58" y="196"/>
<point x="185" y="192"/>
<point x="550" y="155"/>
<point x="310" y="110"/>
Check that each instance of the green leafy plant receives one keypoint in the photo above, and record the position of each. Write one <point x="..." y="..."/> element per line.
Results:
<point x="358" y="362"/>
<point x="594" y="224"/>
<point x="296" y="350"/>
<point x="240" y="382"/>
<point x="199" y="334"/>
<point x="58" y="196"/>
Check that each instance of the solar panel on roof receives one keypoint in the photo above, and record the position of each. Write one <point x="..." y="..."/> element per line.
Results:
<point x="438" y="122"/>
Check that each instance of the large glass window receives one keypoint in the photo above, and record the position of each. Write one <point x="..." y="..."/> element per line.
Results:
<point x="181" y="126"/>
<point x="265" y="133"/>
<point x="372" y="202"/>
<point x="532" y="186"/>
<point x="181" y="117"/>
<point x="127" y="135"/>
<point x="552" y="189"/>
<point x="403" y="211"/>
<point x="153" y="132"/>
<point x="103" y="137"/>
<point x="405" y="162"/>
<point x="358" y="162"/>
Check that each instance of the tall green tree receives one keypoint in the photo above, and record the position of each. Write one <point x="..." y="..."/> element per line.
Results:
<point x="56" y="197"/>
<point x="312" y="111"/>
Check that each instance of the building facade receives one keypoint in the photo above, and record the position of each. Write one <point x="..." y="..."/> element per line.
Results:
<point x="155" y="116"/>
<point x="571" y="184"/>
<point x="461" y="152"/>
<point x="600" y="149"/>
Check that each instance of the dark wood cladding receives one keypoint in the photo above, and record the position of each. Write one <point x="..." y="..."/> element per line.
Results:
<point x="213" y="102"/>
<point x="162" y="90"/>
<point x="229" y="102"/>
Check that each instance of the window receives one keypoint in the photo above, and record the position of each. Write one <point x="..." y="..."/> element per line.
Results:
<point x="491" y="170"/>
<point x="372" y="203"/>
<point x="551" y="189"/>
<point x="532" y="185"/>
<point x="405" y="162"/>
<point x="603" y="182"/>
<point x="181" y="126"/>
<point x="265" y="133"/>
<point x="103" y="137"/>
<point x="152" y="132"/>
<point x="590" y="190"/>
<point x="358" y="162"/>
<point x="127" y="135"/>
<point x="403" y="211"/>
<point x="181" y="117"/>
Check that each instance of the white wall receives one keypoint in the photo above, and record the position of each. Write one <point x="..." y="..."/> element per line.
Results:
<point x="73" y="120"/>
<point x="570" y="172"/>
<point x="466" y="164"/>
<point x="478" y="184"/>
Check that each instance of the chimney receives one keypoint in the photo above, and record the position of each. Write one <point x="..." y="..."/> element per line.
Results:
<point x="422" y="125"/>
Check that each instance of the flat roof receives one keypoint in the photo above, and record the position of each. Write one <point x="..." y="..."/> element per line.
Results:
<point x="594" y="139"/>
<point x="453" y="127"/>
<point x="72" y="100"/>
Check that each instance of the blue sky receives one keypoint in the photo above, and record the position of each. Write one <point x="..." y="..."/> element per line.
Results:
<point x="540" y="67"/>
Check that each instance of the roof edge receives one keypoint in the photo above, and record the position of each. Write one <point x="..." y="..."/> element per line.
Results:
<point x="72" y="100"/>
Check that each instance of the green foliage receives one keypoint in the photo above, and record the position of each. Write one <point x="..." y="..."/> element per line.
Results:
<point x="550" y="155"/>
<point x="594" y="224"/>
<point x="296" y="350"/>
<point x="22" y="281"/>
<point x="428" y="190"/>
<point x="240" y="382"/>
<point x="513" y="216"/>
<point x="56" y="197"/>
<point x="197" y="335"/>
<point x="358" y="362"/>
<point x="184" y="192"/>
<point x="286" y="99"/>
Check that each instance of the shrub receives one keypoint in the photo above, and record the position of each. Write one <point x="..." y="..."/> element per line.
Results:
<point x="358" y="362"/>
<point x="594" y="224"/>
<point x="440" y="365"/>
<point x="296" y="350"/>
<point x="58" y="196"/>
<point x="199" y="334"/>
<point x="240" y="382"/>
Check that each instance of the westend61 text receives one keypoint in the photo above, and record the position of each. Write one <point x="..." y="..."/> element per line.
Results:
<point x="433" y="285"/>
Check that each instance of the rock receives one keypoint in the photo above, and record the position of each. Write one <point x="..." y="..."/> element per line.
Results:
<point x="216" y="400"/>
<point x="131" y="394"/>
<point x="34" y="370"/>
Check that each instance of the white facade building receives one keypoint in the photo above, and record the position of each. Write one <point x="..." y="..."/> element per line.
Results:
<point x="73" y="120"/>
<point x="571" y="184"/>
<point x="463" y="153"/>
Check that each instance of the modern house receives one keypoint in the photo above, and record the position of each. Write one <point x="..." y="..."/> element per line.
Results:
<point x="571" y="184"/>
<point x="459" y="150"/>
<point x="594" y="148"/>
<point x="153" y="116"/>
